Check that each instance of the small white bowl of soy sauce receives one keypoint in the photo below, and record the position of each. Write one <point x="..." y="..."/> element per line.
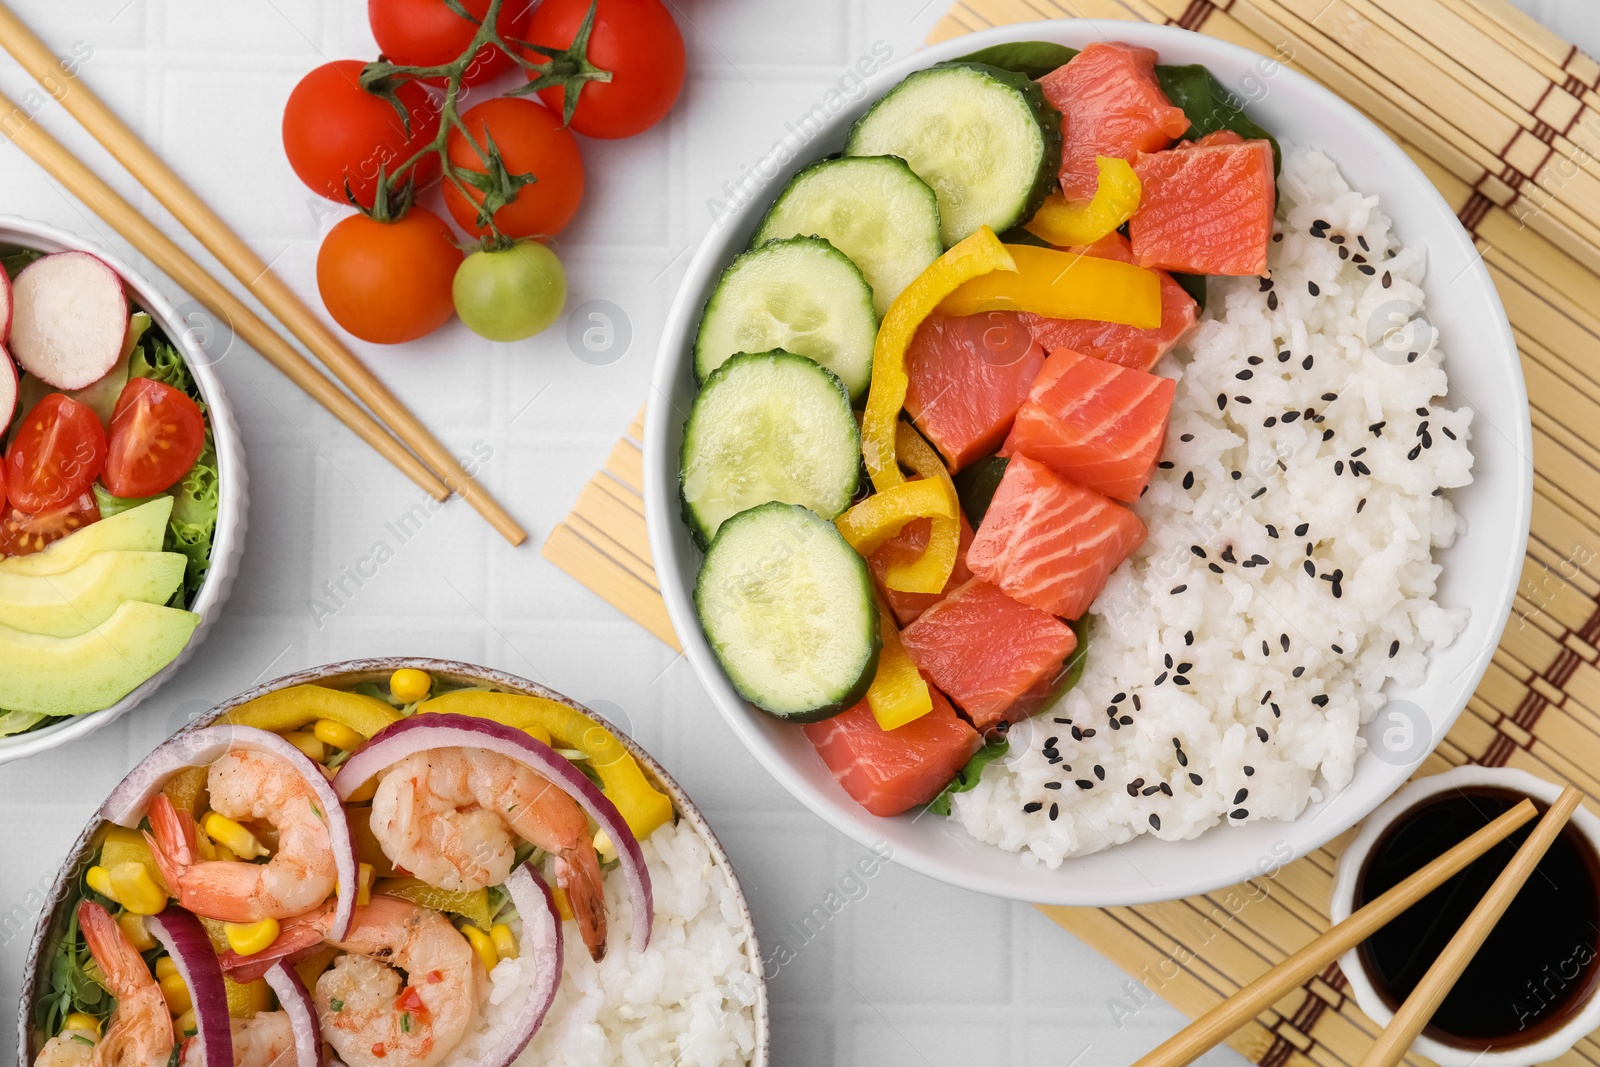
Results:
<point x="1529" y="994"/>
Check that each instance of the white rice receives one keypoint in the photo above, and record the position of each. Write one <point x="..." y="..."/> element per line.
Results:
<point x="689" y="999"/>
<point x="1239" y="635"/>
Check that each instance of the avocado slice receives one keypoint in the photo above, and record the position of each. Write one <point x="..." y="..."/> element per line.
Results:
<point x="140" y="529"/>
<point x="90" y="672"/>
<point x="76" y="601"/>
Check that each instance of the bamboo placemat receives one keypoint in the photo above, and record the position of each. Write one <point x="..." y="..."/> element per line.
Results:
<point x="1504" y="117"/>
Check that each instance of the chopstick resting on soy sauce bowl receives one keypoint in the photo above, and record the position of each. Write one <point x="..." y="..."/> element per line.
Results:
<point x="432" y="466"/>
<point x="1215" y="1025"/>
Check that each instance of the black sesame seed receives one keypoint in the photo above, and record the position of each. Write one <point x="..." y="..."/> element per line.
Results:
<point x="1054" y="811"/>
<point x="1327" y="435"/>
<point x="1277" y="236"/>
<point x="1185" y="668"/>
<point x="1179" y="679"/>
<point x="1308" y="548"/>
<point x="1214" y="568"/>
<point x="1276" y="711"/>
<point x="1337" y="591"/>
<point x="1133" y="788"/>
<point x="1319" y="227"/>
<point x="1344" y="253"/>
<point x="1266" y="696"/>
<point x="1387" y="280"/>
<point x="1099" y="772"/>
<point x="1155" y="822"/>
<point x="1394" y="649"/>
<point x="1150" y="791"/>
<point x="1360" y="467"/>
<point x="1411" y="357"/>
<point x="1358" y="451"/>
<point x="1168" y="660"/>
<point x="1448" y="432"/>
<point x="1238" y="813"/>
<point x="1310" y="568"/>
<point x="1160" y="678"/>
<point x="1300" y="531"/>
<point x="1311" y="287"/>
<point x="1298" y="671"/>
<point x="1126" y="720"/>
<point x="1290" y="416"/>
<point x="1197" y="550"/>
<point x="1258" y="493"/>
<point x="1115" y="725"/>
<point x="1266" y="649"/>
<point x="1283" y="640"/>
<point x="1119" y="698"/>
<point x="1306" y="363"/>
<point x="1243" y="399"/>
<point x="1337" y="238"/>
<point x="1084" y="783"/>
<point x="1077" y="734"/>
<point x="1272" y="301"/>
<point x="1367" y="269"/>
<point x="1377" y="428"/>
<point x="1423" y="412"/>
<point x="1337" y="649"/>
<point x="1052" y="785"/>
<point x="1249" y="770"/>
<point x="1258" y="559"/>
<point x="1032" y="806"/>
<point x="1338" y="466"/>
<point x="1188" y="480"/>
<point x="1266" y="283"/>
<point x="1137" y="706"/>
<point x="1187" y="437"/>
<point x="1415" y="452"/>
<point x="1362" y="241"/>
<point x="1051" y="743"/>
<point x="1236" y="475"/>
<point x="1064" y="722"/>
<point x="1089" y="732"/>
<point x="1188" y="637"/>
<point x="1238" y="798"/>
<point x="1177" y="743"/>
<point x="1245" y="375"/>
<point x="1261" y="732"/>
<point x="1283" y="357"/>
<point x="1330" y="397"/>
<point x="1227" y="555"/>
<point x="1196" y="779"/>
<point x="1167" y="789"/>
<point x="1254" y="361"/>
<point x="1321" y="700"/>
<point x="1183" y="758"/>
<point x="1359" y="258"/>
<point x="1222" y="401"/>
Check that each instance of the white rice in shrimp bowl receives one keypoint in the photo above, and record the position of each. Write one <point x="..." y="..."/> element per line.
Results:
<point x="1289" y="572"/>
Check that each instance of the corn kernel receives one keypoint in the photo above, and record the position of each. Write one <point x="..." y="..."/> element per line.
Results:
<point x="336" y="734"/>
<point x="364" y="792"/>
<point x="235" y="838"/>
<point x="134" y="930"/>
<point x="308" y="743"/>
<point x="79" y="1020"/>
<point x="185" y="1025"/>
<point x="99" y="880"/>
<point x="483" y="945"/>
<point x="409" y="685"/>
<point x="135" y="889"/>
<point x="165" y="967"/>
<point x="563" y="905"/>
<point x="176" y="994"/>
<point x="505" y="942"/>
<point x="249" y="938"/>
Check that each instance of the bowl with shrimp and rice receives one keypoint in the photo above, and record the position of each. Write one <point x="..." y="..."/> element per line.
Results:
<point x="530" y="886"/>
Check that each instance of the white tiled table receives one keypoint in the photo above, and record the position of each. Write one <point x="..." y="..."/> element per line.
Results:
<point x="910" y="972"/>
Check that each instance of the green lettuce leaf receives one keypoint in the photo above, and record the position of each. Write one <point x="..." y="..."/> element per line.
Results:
<point x="968" y="776"/>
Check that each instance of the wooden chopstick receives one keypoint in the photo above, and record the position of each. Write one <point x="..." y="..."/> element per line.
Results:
<point x="1441" y="977"/>
<point x="20" y="127"/>
<point x="1259" y="995"/>
<point x="243" y="263"/>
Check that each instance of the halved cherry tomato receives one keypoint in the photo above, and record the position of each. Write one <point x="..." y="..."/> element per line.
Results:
<point x="22" y="534"/>
<point x="58" y="452"/>
<point x="156" y="435"/>
<point x="637" y="41"/>
<point x="531" y="139"/>
<point x="389" y="282"/>
<point x="426" y="33"/>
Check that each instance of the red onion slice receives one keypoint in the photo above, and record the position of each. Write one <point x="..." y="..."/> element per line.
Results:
<point x="296" y="1002"/>
<point x="541" y="941"/>
<point x="423" y="732"/>
<point x="186" y="942"/>
<point x="130" y="800"/>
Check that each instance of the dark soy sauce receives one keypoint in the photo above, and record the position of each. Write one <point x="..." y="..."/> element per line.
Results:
<point x="1539" y="965"/>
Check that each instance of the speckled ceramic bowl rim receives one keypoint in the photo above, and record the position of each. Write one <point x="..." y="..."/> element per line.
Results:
<point x="228" y="541"/>
<point x="352" y="672"/>
<point x="1583" y="1022"/>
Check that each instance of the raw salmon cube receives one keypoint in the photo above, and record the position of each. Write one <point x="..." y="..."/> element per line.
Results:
<point x="908" y="545"/>
<point x="1094" y="423"/>
<point x="1111" y="105"/>
<point x="1049" y="543"/>
<point x="889" y="771"/>
<point x="1113" y="342"/>
<point x="968" y="375"/>
<point x="985" y="650"/>
<point x="1205" y="209"/>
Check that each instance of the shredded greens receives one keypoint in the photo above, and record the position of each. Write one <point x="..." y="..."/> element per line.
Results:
<point x="968" y="776"/>
<point x="70" y="982"/>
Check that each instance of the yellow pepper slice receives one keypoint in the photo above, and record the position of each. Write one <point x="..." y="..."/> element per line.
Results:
<point x="968" y="259"/>
<point x="367" y="848"/>
<point x="123" y="845"/>
<point x="1061" y="285"/>
<point x="311" y="968"/>
<point x="929" y="572"/>
<point x="642" y="805"/>
<point x="299" y="705"/>
<point x="1083" y="222"/>
<point x="244" y="1000"/>
<point x="880" y="516"/>
<point x="473" y="905"/>
<point x="898" y="694"/>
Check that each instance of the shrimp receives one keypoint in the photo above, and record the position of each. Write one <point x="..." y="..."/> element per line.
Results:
<point x="266" y="1039"/>
<point x="69" y="1048"/>
<point x="246" y="785"/>
<point x="448" y="815"/>
<point x="140" y="1031"/>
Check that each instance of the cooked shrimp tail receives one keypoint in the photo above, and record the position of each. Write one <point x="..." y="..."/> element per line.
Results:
<point x="173" y="839"/>
<point x="140" y="1031"/>
<point x="578" y="874"/>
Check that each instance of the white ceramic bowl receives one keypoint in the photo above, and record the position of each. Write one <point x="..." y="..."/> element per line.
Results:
<point x="1480" y="571"/>
<point x="229" y="539"/>
<point x="52" y="920"/>
<point x="1552" y="1045"/>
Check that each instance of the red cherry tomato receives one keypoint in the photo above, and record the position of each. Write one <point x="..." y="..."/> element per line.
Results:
<point x="156" y="435"/>
<point x="389" y="282"/>
<point x="532" y="140"/>
<point x="58" y="452"/>
<point x="22" y="534"/>
<point x="336" y="132"/>
<point x="426" y="33"/>
<point x="637" y="41"/>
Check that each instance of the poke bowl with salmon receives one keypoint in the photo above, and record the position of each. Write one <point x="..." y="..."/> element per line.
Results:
<point x="1097" y="486"/>
<point x="121" y="487"/>
<point x="395" y="863"/>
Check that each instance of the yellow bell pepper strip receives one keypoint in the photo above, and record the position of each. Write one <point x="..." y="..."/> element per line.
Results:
<point x="247" y="998"/>
<point x="898" y="693"/>
<point x="472" y="905"/>
<point x="968" y="259"/>
<point x="299" y="705"/>
<point x="1062" y="285"/>
<point x="1083" y="222"/>
<point x="642" y="805"/>
<point x="879" y="517"/>
<point x="367" y="848"/>
<point x="929" y="572"/>
<point x="311" y="968"/>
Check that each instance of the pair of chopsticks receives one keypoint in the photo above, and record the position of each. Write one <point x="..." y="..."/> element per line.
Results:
<point x="400" y="437"/>
<point x="1260" y="995"/>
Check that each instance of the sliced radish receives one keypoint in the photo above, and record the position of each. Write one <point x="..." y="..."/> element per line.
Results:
<point x="5" y="306"/>
<point x="8" y="387"/>
<point x="186" y="942"/>
<point x="69" y="316"/>
<point x="297" y="1004"/>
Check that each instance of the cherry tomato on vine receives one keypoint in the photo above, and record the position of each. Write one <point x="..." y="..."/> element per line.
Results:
<point x="508" y="294"/>
<point x="156" y="435"/>
<point x="22" y="534"/>
<point x="426" y="33"/>
<point x="636" y="40"/>
<point x="336" y="132"/>
<point x="389" y="282"/>
<point x="58" y="452"/>
<point x="531" y="139"/>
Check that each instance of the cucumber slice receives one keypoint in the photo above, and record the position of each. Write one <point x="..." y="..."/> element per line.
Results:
<point x="984" y="138"/>
<point x="871" y="208"/>
<point x="787" y="607"/>
<point x="801" y="295"/>
<point x="768" y="426"/>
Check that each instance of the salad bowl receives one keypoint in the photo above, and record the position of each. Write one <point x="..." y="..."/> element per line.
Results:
<point x="179" y="325"/>
<point x="1479" y="571"/>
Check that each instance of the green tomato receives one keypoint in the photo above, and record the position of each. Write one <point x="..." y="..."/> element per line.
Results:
<point x="511" y="293"/>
